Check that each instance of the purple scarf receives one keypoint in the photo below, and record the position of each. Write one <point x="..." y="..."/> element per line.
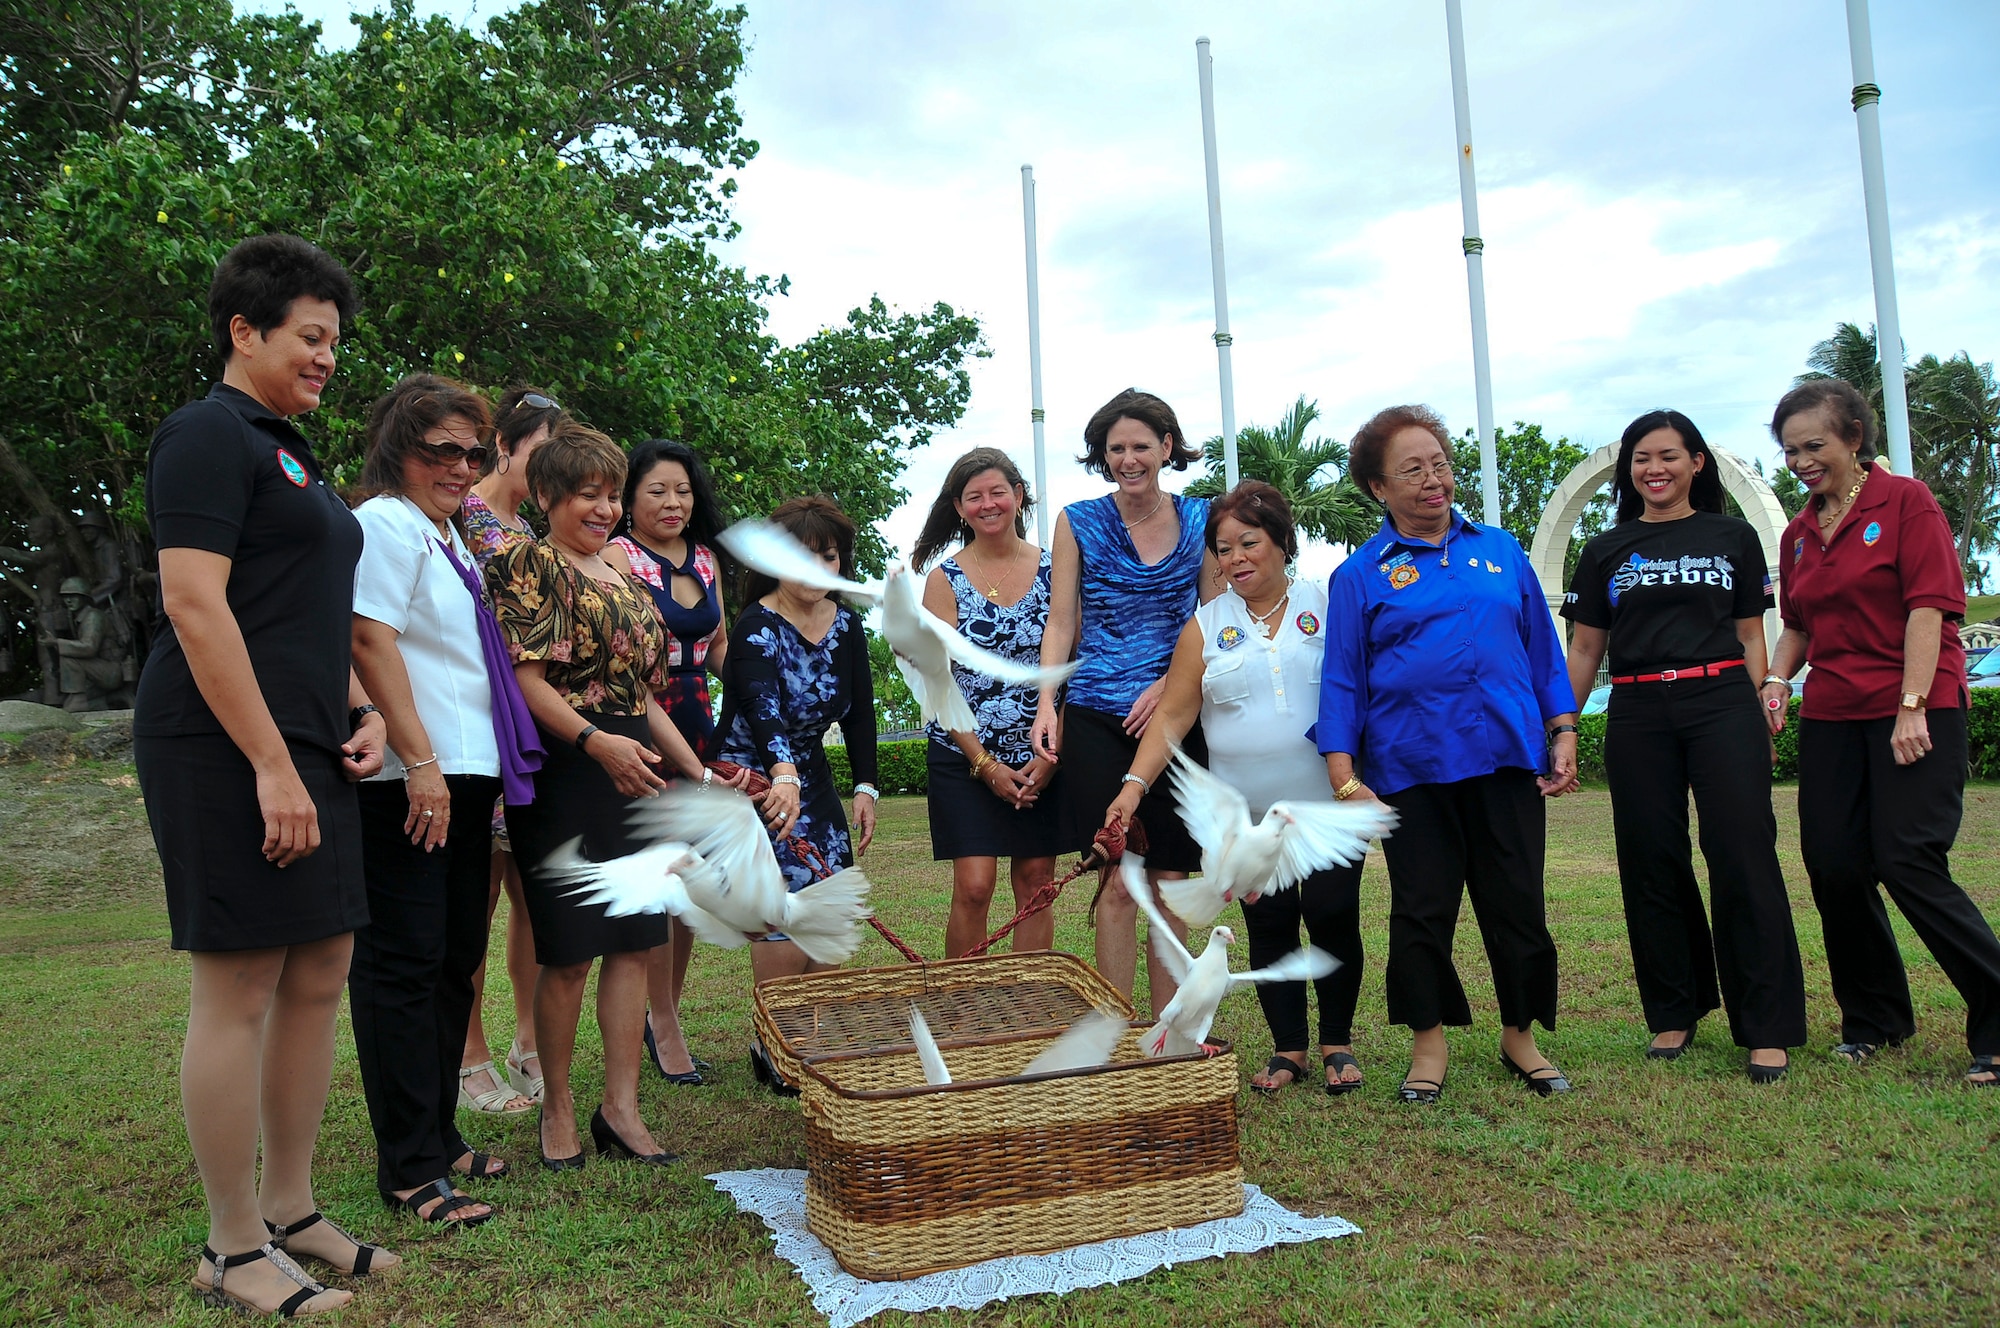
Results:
<point x="513" y="726"/>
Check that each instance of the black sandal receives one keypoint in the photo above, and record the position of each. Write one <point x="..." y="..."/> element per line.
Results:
<point x="1423" y="1092"/>
<point x="442" y="1214"/>
<point x="1338" y="1061"/>
<point x="477" y="1169"/>
<point x="364" y="1255"/>
<point x="1984" y="1065"/>
<point x="214" y="1295"/>
<point x="1273" y="1066"/>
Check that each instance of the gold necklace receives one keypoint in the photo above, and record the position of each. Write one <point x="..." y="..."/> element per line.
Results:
<point x="992" y="592"/>
<point x="1845" y="503"/>
<point x="1149" y="516"/>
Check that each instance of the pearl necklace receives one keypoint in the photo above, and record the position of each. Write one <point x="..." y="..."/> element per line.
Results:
<point x="1263" y="620"/>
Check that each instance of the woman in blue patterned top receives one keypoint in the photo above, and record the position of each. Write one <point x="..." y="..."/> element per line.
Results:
<point x="995" y="590"/>
<point x="797" y="665"/>
<point x="1128" y="570"/>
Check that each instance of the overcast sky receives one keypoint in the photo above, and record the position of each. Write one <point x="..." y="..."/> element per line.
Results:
<point x="1670" y="197"/>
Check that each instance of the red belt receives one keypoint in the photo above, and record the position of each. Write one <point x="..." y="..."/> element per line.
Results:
<point x="1691" y="671"/>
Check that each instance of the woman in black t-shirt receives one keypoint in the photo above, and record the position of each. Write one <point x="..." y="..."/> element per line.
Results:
<point x="1677" y="590"/>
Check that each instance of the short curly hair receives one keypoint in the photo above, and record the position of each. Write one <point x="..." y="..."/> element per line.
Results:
<point x="1852" y="417"/>
<point x="1367" y="454"/>
<point x="1255" y="503"/>
<point x="263" y="275"/>
<point x="574" y="455"/>
<point x="1149" y="410"/>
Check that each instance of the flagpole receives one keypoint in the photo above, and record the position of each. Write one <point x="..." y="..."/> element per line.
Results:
<point x="1475" y="276"/>
<point x="1204" y="65"/>
<point x="1035" y="359"/>
<point x="1867" y="99"/>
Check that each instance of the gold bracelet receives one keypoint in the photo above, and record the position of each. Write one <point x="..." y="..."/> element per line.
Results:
<point x="1348" y="790"/>
<point x="985" y="759"/>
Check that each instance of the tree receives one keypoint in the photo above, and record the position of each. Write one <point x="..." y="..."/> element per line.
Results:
<point x="1326" y="505"/>
<point x="895" y="704"/>
<point x="532" y="203"/>
<point x="1531" y="467"/>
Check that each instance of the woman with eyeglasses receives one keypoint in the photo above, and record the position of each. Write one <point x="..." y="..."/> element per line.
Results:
<point x="671" y="519"/>
<point x="493" y="524"/>
<point x="1444" y="694"/>
<point x="1676" y="591"/>
<point x="429" y="653"/>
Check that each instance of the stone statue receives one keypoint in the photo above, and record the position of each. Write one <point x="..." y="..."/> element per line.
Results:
<point x="94" y="666"/>
<point x="115" y="589"/>
<point x="46" y="568"/>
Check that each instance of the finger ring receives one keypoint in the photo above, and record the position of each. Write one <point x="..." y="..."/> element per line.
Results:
<point x="428" y="815"/>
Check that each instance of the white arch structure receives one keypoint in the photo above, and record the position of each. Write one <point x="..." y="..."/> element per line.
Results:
<point x="1750" y="490"/>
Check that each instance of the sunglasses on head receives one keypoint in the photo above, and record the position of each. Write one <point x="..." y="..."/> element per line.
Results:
<point x="539" y="402"/>
<point x="448" y="454"/>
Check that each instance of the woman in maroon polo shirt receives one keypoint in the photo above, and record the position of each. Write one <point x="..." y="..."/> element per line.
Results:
<point x="1868" y="575"/>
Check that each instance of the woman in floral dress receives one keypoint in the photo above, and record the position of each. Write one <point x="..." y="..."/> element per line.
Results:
<point x="797" y="665"/>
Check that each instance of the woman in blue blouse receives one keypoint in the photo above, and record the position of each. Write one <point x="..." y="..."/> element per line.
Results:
<point x="671" y="521"/>
<point x="798" y="664"/>
<point x="986" y="787"/>
<point x="1128" y="571"/>
<point x="1445" y="695"/>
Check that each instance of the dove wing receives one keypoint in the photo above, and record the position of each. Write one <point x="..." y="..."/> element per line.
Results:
<point x="1087" y="1042"/>
<point x="721" y="825"/>
<point x="927" y="1049"/>
<point x="765" y="546"/>
<point x="1319" y="834"/>
<point x="1213" y="812"/>
<point x="1165" y="944"/>
<point x="980" y="660"/>
<point x="1302" y="965"/>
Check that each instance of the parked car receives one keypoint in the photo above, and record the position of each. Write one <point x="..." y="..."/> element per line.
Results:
<point x="1986" y="671"/>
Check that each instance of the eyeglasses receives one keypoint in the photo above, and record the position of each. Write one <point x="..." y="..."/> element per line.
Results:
<point x="1417" y="474"/>
<point x="539" y="402"/>
<point x="445" y="454"/>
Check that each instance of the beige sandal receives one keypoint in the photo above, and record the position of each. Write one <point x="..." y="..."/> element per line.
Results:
<point x="527" y="1085"/>
<point x="499" y="1100"/>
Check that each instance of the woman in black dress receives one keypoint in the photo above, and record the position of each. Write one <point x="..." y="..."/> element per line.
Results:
<point x="671" y="520"/>
<point x="1677" y="591"/>
<point x="587" y="647"/>
<point x="250" y="730"/>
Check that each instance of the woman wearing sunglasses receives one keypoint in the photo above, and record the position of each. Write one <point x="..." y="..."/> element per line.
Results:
<point x="426" y="646"/>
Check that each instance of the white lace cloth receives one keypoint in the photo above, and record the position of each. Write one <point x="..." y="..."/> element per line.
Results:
<point x="779" y="1197"/>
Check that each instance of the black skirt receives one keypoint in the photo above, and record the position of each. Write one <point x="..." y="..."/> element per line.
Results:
<point x="1096" y="750"/>
<point x="968" y="821"/>
<point x="201" y="797"/>
<point x="574" y="797"/>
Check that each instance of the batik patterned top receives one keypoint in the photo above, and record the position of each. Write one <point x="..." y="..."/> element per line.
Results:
<point x="485" y="533"/>
<point x="1130" y="613"/>
<point x="1012" y="631"/>
<point x="602" y="644"/>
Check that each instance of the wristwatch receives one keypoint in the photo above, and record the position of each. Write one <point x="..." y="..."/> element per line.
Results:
<point x="1911" y="701"/>
<point x="354" y="715"/>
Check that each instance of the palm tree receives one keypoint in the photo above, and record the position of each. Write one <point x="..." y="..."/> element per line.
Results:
<point x="1851" y="355"/>
<point x="1955" y="415"/>
<point x="1312" y="474"/>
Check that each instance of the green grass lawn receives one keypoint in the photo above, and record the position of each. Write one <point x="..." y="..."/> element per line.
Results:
<point x="1657" y="1193"/>
<point x="1982" y="608"/>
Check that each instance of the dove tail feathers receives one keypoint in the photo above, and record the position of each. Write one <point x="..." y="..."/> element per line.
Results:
<point x="825" y="918"/>
<point x="1192" y="900"/>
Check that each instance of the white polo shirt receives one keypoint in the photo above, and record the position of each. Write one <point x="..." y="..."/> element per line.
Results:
<point x="1259" y="696"/>
<point x="406" y="582"/>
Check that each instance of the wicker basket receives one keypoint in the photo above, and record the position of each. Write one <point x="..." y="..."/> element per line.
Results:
<point x="906" y="1178"/>
<point x="863" y="1009"/>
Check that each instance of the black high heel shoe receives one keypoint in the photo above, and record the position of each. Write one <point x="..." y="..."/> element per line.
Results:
<point x="610" y="1145"/>
<point x="572" y="1163"/>
<point x="686" y="1079"/>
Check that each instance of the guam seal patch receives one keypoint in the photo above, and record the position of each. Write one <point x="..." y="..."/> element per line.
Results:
<point x="293" y="470"/>
<point x="1872" y="533"/>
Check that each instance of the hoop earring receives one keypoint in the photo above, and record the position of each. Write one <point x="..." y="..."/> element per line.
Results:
<point x="504" y="463"/>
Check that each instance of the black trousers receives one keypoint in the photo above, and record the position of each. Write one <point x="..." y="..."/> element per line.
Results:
<point x="1864" y="820"/>
<point x="1329" y="903"/>
<point x="1662" y="739"/>
<point x="1486" y="837"/>
<point x="411" y="981"/>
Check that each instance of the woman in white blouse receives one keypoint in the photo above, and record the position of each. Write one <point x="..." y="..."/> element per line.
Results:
<point x="1247" y="666"/>
<point x="427" y="818"/>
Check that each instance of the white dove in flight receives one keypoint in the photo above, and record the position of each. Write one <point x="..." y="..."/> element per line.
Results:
<point x="1087" y="1042"/>
<point x="1242" y="861"/>
<point x="1205" y="981"/>
<point x="653" y="880"/>
<point x="925" y="646"/>
<point x="732" y="875"/>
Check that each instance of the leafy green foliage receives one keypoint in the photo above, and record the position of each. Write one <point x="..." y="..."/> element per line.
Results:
<point x="903" y="767"/>
<point x="531" y="203"/>
<point x="1311" y="473"/>
<point x="1531" y="468"/>
<point x="895" y="705"/>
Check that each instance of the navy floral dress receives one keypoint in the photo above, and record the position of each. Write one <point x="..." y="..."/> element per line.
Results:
<point x="1004" y="713"/>
<point x="780" y="694"/>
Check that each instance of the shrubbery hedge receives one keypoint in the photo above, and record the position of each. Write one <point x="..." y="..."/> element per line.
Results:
<point x="903" y="769"/>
